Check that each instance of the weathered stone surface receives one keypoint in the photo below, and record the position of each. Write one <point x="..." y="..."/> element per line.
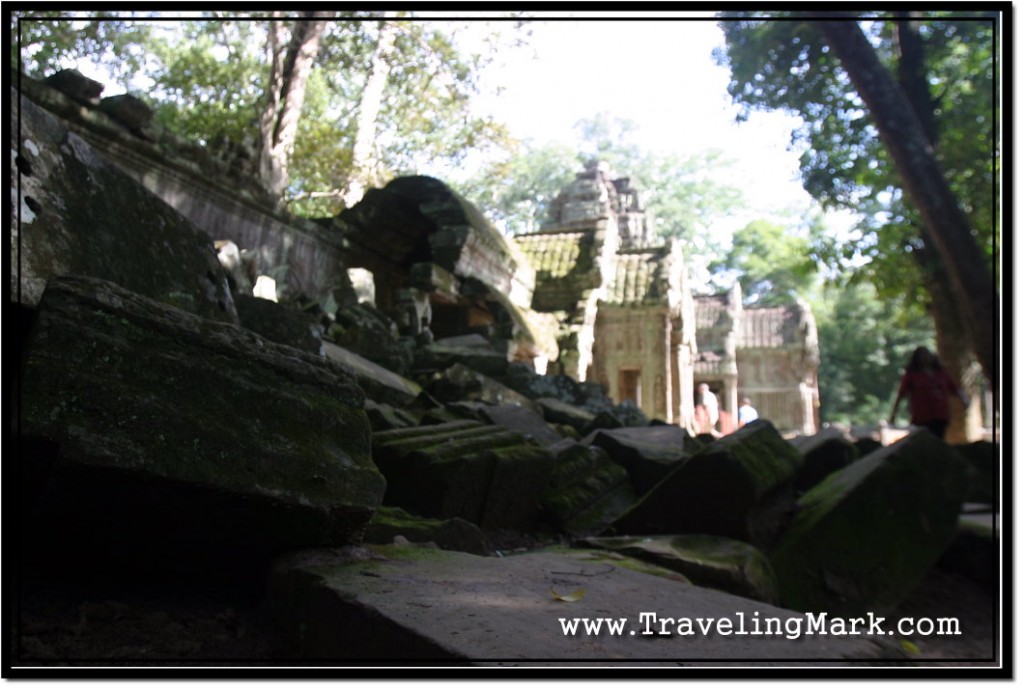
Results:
<point x="76" y="85"/>
<point x="484" y="474"/>
<point x="972" y="553"/>
<point x="408" y="606"/>
<point x="587" y="395"/>
<point x="587" y="491"/>
<point x="525" y="421"/>
<point x="981" y="457"/>
<point x="705" y="560"/>
<point x="74" y="213"/>
<point x="460" y="383"/>
<point x="280" y="323"/>
<point x="484" y="360"/>
<point x="381" y="385"/>
<point x="190" y="428"/>
<point x="368" y="332"/>
<point x="648" y="453"/>
<point x="866" y="535"/>
<point x="129" y="110"/>
<point x="453" y="533"/>
<point x="823" y="453"/>
<point x="737" y="487"/>
<point x="562" y="413"/>
<point x="385" y="417"/>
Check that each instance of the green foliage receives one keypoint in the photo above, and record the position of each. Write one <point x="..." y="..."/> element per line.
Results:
<point x="517" y="191"/>
<point x="865" y="342"/>
<point x="783" y="63"/>
<point x="43" y="42"/>
<point x="206" y="81"/>
<point x="774" y="264"/>
<point x="680" y="192"/>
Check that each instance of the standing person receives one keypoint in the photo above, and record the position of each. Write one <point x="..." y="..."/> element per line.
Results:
<point x="710" y="403"/>
<point x="927" y="386"/>
<point x="747" y="412"/>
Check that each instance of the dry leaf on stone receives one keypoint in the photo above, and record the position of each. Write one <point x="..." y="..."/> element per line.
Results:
<point x="574" y="596"/>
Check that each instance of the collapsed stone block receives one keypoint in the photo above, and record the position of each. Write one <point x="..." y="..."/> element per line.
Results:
<point x="737" y="487"/>
<point x="648" y="453"/>
<point x="823" y="453"/>
<point x="525" y="421"/>
<point x="983" y="476"/>
<point x="452" y="533"/>
<point x="484" y="474"/>
<point x="863" y="538"/>
<point x="705" y="560"/>
<point x="78" y="214"/>
<point x="380" y="384"/>
<point x="460" y="383"/>
<point x="166" y="427"/>
<point x="587" y="490"/>
<point x="280" y="323"/>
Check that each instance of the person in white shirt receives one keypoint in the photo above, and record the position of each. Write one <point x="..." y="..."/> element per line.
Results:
<point x="746" y="413"/>
<point x="710" y="403"/>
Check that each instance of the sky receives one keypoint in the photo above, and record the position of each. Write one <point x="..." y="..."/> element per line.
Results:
<point x="659" y="74"/>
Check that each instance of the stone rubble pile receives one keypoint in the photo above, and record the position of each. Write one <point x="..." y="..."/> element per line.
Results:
<point x="156" y="407"/>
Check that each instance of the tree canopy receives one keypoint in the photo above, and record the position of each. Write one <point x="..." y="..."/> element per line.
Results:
<point x="210" y="79"/>
<point x="944" y="64"/>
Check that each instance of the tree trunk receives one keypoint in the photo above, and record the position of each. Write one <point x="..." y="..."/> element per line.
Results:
<point x="369" y="108"/>
<point x="952" y="343"/>
<point x="923" y="180"/>
<point x="286" y="94"/>
<point x="951" y="337"/>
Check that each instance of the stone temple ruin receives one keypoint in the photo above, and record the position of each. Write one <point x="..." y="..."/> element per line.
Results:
<point x="431" y="441"/>
<point x="630" y="322"/>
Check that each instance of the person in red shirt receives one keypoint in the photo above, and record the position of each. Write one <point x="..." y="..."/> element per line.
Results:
<point x="927" y="386"/>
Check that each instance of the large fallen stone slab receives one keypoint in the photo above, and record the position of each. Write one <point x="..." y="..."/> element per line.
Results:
<point x="823" y="453"/>
<point x="706" y="560"/>
<point x="75" y="213"/>
<point x="562" y="413"/>
<point x="588" y="491"/>
<point x="168" y="426"/>
<point x="366" y="331"/>
<point x="525" y="421"/>
<point x="864" y="537"/>
<point x="738" y="487"/>
<point x="648" y="453"/>
<point x="460" y="383"/>
<point x="381" y="385"/>
<point x="402" y="606"/>
<point x="482" y="359"/>
<point x="280" y="323"/>
<point x="484" y="474"/>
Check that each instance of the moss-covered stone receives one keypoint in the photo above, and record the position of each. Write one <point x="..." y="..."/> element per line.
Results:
<point x="452" y="534"/>
<point x="738" y="487"/>
<point x="192" y="427"/>
<point x="78" y="214"/>
<point x="587" y="490"/>
<point x="482" y="473"/>
<point x="864" y="537"/>
<point x="706" y="560"/>
<point x="647" y="453"/>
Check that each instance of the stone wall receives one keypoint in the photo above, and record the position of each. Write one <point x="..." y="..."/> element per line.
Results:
<point x="301" y="256"/>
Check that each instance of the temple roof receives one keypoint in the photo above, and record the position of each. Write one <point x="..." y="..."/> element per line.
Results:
<point x="770" y="327"/>
<point x="709" y="310"/>
<point x="554" y="255"/>
<point x="638" y="278"/>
